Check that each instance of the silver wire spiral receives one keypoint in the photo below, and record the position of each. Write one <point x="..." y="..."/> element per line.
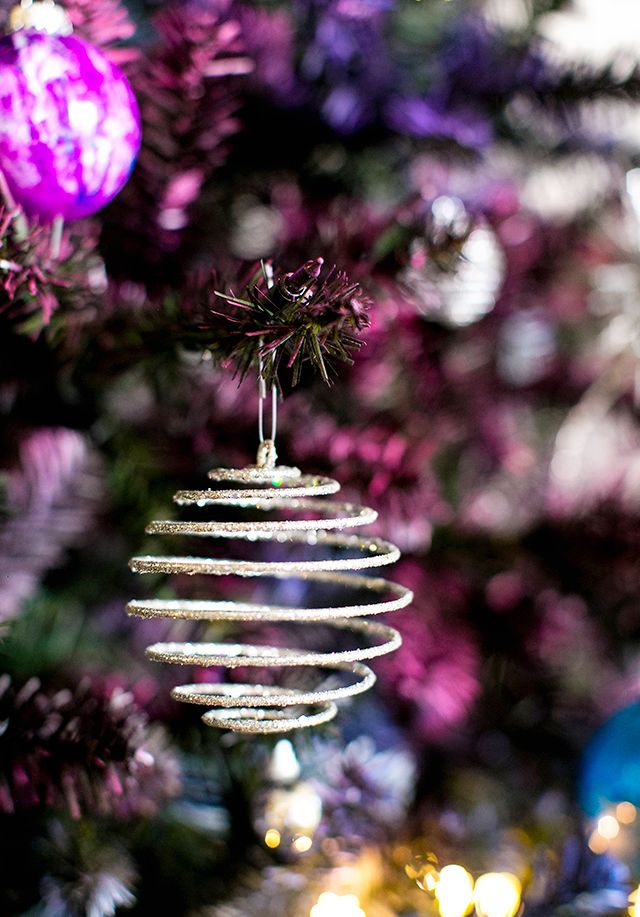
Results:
<point x="267" y="487"/>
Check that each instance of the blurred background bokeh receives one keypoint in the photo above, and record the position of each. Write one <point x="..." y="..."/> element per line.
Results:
<point x="475" y="166"/>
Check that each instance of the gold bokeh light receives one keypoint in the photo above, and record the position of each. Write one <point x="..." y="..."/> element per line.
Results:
<point x="454" y="891"/>
<point x="332" y="905"/>
<point x="497" y="894"/>
<point x="272" y="838"/>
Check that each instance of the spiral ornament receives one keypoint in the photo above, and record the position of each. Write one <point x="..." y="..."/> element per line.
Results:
<point x="291" y="516"/>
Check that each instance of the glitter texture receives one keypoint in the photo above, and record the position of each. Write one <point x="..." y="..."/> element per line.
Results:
<point x="69" y="125"/>
<point x="256" y="708"/>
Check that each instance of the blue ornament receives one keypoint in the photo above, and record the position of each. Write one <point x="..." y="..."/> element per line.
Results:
<point x="611" y="764"/>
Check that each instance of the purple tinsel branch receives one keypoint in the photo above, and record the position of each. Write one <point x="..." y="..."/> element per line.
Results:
<point x="104" y="23"/>
<point x="82" y="748"/>
<point x="187" y="88"/>
<point x="35" y="284"/>
<point x="27" y="275"/>
<point x="50" y="497"/>
<point x="310" y="315"/>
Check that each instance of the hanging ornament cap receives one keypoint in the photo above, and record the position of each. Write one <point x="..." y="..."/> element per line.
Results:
<point x="41" y="16"/>
<point x="267" y="455"/>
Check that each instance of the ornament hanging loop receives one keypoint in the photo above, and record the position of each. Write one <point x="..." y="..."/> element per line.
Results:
<point x="41" y="16"/>
<point x="262" y="397"/>
<point x="267" y="455"/>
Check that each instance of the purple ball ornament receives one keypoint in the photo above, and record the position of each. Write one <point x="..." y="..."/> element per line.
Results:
<point x="69" y="124"/>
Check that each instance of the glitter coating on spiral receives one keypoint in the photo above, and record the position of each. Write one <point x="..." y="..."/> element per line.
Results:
<point x="326" y="568"/>
<point x="69" y="125"/>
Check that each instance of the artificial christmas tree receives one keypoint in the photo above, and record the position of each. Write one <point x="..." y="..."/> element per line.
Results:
<point x="458" y="186"/>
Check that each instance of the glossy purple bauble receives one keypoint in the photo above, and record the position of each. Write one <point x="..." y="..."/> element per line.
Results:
<point x="69" y="125"/>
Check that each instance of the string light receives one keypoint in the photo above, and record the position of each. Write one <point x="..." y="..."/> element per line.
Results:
<point x="272" y="838"/>
<point x="497" y="894"/>
<point x="626" y="812"/>
<point x="597" y="843"/>
<point x="302" y="843"/>
<point x="291" y="816"/>
<point x="608" y="827"/>
<point x="284" y="766"/>
<point x="454" y="892"/>
<point x="304" y="809"/>
<point x="331" y="905"/>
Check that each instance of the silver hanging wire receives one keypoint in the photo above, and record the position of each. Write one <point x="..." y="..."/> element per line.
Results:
<point x="262" y="397"/>
<point x="267" y="455"/>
